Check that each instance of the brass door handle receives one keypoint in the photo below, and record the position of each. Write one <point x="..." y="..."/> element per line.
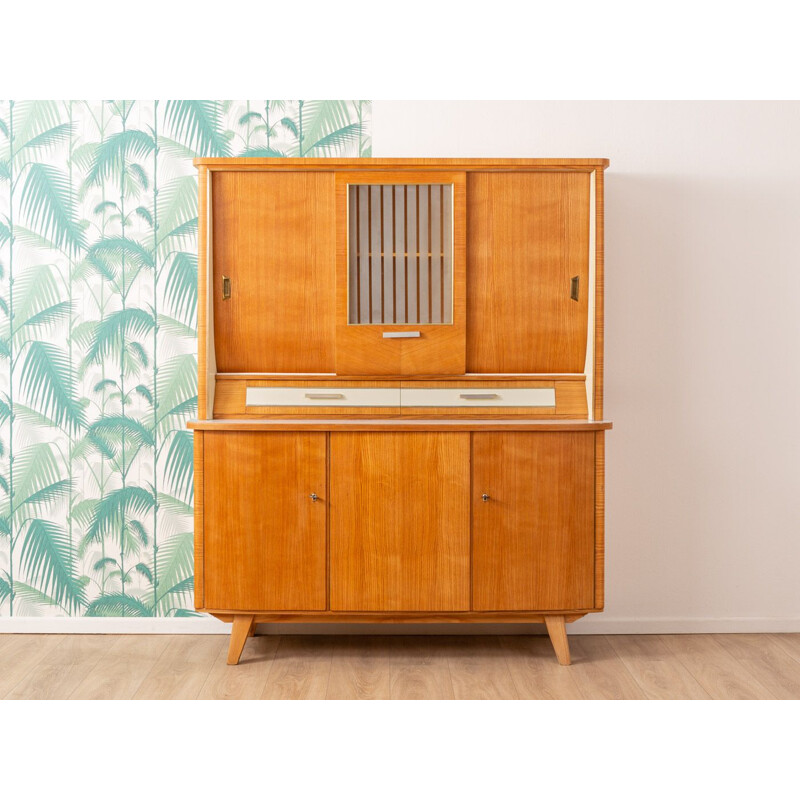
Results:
<point x="226" y="287"/>
<point x="485" y="498"/>
<point x="314" y="497"/>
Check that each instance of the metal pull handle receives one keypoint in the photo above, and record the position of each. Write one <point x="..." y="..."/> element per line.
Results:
<point x="226" y="287"/>
<point x="401" y="334"/>
<point x="314" y="497"/>
<point x="479" y="396"/>
<point x="485" y="498"/>
<point x="324" y="396"/>
<point x="574" y="287"/>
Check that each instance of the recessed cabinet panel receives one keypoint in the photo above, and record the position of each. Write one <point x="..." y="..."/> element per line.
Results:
<point x="533" y="521"/>
<point x="264" y="535"/>
<point x="399" y="522"/>
<point x="273" y="254"/>
<point x="527" y="271"/>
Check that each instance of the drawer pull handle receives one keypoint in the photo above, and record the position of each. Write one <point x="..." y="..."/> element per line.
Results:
<point x="479" y="396"/>
<point x="401" y="334"/>
<point x="323" y="396"/>
<point x="574" y="287"/>
<point x="314" y="497"/>
<point x="226" y="287"/>
<point x="485" y="498"/>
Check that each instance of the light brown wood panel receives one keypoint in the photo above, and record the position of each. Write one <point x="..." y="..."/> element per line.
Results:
<point x="479" y="669"/>
<point x="659" y="674"/>
<point x="119" y="674"/>
<point x="407" y="424"/>
<point x="599" y="519"/>
<point x="715" y="669"/>
<point x="399" y="522"/>
<point x="528" y="236"/>
<point x="361" y="349"/>
<point x="585" y="164"/>
<point x="60" y="668"/>
<point x="533" y="539"/>
<point x="536" y="674"/>
<point x="182" y="669"/>
<point x="264" y="538"/>
<point x="199" y="512"/>
<point x="599" y="673"/>
<point x="300" y="669"/>
<point x="247" y="680"/>
<point x="274" y="238"/>
<point x="203" y="343"/>
<point x="360" y="668"/>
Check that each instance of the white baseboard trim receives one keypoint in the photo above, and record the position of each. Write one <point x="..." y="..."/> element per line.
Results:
<point x="591" y="624"/>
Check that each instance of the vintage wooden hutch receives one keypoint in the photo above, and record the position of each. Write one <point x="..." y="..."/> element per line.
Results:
<point x="401" y="391"/>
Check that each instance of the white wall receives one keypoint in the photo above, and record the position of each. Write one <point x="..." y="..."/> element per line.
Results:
<point x="702" y="341"/>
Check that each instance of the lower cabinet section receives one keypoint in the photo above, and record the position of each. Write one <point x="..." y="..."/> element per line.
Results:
<point x="399" y="527"/>
<point x="392" y="522"/>
<point x="264" y="535"/>
<point x="533" y="521"/>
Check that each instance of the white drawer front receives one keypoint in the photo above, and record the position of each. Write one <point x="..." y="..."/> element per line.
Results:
<point x="480" y="398"/>
<point x="322" y="396"/>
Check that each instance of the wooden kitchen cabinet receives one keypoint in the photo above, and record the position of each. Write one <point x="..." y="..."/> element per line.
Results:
<point x="399" y="524"/>
<point x="400" y="395"/>
<point x="533" y="521"/>
<point x="265" y="533"/>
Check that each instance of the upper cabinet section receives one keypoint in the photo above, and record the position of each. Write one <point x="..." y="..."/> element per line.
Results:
<point x="400" y="274"/>
<point x="401" y="268"/>
<point x="273" y="283"/>
<point x="528" y="281"/>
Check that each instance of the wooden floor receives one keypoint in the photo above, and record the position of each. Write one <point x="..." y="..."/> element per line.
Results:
<point x="697" y="667"/>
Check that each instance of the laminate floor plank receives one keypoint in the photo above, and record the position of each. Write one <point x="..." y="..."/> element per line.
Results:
<point x="23" y="653"/>
<point x="360" y="668"/>
<point x="420" y="669"/>
<point x="247" y="680"/>
<point x="300" y="669"/>
<point x="599" y="672"/>
<point x="765" y="660"/>
<point x="715" y="669"/>
<point x="182" y="669"/>
<point x="119" y="673"/>
<point x="655" y="669"/>
<point x="115" y="666"/>
<point x="479" y="669"/>
<point x="789" y="642"/>
<point x="64" y="667"/>
<point x="534" y="669"/>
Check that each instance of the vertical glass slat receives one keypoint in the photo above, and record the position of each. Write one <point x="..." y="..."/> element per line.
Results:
<point x="448" y="255"/>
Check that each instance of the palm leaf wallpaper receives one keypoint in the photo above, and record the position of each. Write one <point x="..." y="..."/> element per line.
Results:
<point x="98" y="366"/>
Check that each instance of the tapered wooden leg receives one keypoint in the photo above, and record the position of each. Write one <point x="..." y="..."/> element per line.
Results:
<point x="241" y="630"/>
<point x="557" y="630"/>
<point x="252" y="631"/>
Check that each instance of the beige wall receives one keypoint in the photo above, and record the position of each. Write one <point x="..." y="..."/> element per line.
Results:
<point x="702" y="341"/>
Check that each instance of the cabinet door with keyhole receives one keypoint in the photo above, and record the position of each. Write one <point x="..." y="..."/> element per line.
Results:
<point x="264" y="521"/>
<point x="533" y="521"/>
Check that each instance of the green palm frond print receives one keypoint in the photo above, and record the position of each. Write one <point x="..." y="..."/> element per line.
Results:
<point x="98" y="354"/>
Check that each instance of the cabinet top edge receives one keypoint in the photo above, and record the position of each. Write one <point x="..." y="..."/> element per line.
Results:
<point x="370" y="163"/>
<point x="396" y="426"/>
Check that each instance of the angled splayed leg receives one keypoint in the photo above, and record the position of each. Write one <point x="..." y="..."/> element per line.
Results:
<point x="242" y="623"/>
<point x="557" y="630"/>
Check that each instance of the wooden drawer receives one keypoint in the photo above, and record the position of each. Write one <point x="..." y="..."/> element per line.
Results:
<point x="322" y="396"/>
<point x="470" y="397"/>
